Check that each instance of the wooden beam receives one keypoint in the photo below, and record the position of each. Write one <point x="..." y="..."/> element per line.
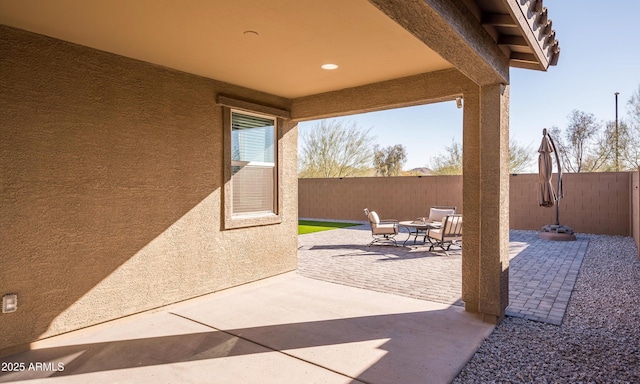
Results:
<point x="524" y="60"/>
<point x="498" y="20"/>
<point x="523" y="57"/>
<point x="512" y="40"/>
<point x="526" y="65"/>
<point x="526" y="17"/>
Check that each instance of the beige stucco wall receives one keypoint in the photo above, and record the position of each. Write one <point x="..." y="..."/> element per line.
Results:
<point x="594" y="202"/>
<point x="111" y="180"/>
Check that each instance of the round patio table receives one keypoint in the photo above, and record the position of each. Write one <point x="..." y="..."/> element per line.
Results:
<point x="416" y="226"/>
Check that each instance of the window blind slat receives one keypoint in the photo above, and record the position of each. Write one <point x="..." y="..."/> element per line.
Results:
<point x="253" y="190"/>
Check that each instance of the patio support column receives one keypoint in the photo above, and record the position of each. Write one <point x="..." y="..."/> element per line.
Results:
<point x="485" y="253"/>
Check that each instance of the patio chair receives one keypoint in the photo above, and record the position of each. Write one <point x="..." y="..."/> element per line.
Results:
<point x="437" y="213"/>
<point x="382" y="230"/>
<point x="449" y="233"/>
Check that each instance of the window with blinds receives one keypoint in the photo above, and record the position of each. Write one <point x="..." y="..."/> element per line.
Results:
<point x="253" y="167"/>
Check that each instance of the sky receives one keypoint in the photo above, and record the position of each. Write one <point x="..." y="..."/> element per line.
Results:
<point x="600" y="55"/>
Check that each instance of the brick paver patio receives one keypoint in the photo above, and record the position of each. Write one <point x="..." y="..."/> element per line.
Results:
<point x="542" y="273"/>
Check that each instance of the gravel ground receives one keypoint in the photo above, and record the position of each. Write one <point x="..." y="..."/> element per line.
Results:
<point x="598" y="340"/>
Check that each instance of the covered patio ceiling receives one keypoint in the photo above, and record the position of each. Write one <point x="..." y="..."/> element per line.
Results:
<point x="279" y="46"/>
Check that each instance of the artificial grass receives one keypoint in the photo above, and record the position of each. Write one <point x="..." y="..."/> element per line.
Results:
<point x="308" y="226"/>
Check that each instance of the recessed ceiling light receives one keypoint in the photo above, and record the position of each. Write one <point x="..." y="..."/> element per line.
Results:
<point x="329" y="67"/>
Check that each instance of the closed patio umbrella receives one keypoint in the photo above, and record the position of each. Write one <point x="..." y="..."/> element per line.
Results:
<point x="547" y="197"/>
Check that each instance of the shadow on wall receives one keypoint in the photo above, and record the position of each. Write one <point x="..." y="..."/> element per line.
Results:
<point x="100" y="156"/>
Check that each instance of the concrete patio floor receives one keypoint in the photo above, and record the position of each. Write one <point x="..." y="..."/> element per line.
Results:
<point x="285" y="329"/>
<point x="350" y="314"/>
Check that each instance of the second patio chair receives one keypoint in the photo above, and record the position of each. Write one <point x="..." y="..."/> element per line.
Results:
<point x="382" y="230"/>
<point x="437" y="213"/>
<point x="449" y="233"/>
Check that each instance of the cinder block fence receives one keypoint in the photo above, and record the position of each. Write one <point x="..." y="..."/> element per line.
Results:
<point x="598" y="203"/>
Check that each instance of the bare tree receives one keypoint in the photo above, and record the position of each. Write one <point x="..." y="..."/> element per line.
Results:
<point x="520" y="158"/>
<point x="633" y="106"/>
<point x="578" y="146"/>
<point x="335" y="149"/>
<point x="603" y="156"/>
<point x="389" y="161"/>
<point x="630" y="152"/>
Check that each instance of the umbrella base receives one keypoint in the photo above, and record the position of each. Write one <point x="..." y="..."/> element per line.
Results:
<point x="557" y="233"/>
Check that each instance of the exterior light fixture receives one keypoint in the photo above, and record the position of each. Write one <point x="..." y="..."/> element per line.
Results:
<point x="329" y="67"/>
<point x="459" y="102"/>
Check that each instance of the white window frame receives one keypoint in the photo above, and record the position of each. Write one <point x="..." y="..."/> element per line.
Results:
<point x="239" y="220"/>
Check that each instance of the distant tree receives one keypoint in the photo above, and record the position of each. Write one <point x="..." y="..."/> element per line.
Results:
<point x="588" y="146"/>
<point x="335" y="149"/>
<point x="449" y="163"/>
<point x="605" y="149"/>
<point x="631" y="150"/>
<point x="389" y="161"/>
<point x="520" y="158"/>
<point x="633" y="106"/>
<point x="630" y="146"/>
<point x="578" y="145"/>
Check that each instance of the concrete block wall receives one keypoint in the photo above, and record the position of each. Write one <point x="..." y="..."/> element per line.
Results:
<point x="592" y="203"/>
<point x="404" y="198"/>
<point x="599" y="203"/>
<point x="602" y="202"/>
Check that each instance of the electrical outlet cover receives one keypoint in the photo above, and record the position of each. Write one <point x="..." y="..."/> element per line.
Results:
<point x="9" y="303"/>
